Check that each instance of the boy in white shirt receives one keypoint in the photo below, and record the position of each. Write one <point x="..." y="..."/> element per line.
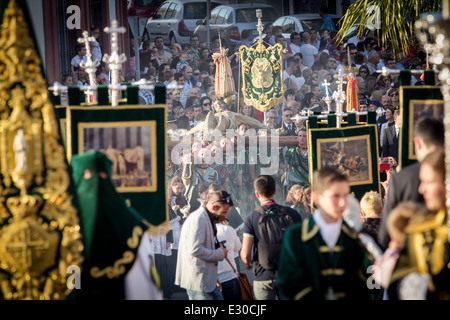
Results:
<point x="321" y="258"/>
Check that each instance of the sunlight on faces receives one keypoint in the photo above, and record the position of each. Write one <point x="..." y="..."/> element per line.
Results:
<point x="302" y="139"/>
<point x="431" y="187"/>
<point x="333" y="201"/>
<point x="176" y="188"/>
<point x="220" y="210"/>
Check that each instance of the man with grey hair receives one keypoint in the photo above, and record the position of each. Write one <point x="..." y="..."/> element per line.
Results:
<point x="372" y="61"/>
<point x="272" y="118"/>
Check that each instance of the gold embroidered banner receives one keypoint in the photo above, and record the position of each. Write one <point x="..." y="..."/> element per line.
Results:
<point x="262" y="75"/>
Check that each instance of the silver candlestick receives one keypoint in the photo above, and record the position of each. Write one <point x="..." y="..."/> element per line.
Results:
<point x="339" y="96"/>
<point x="327" y="98"/>
<point x="115" y="61"/>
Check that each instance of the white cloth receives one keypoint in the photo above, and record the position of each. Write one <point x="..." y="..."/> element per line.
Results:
<point x="308" y="52"/>
<point x="138" y="282"/>
<point x="233" y="245"/>
<point x="329" y="231"/>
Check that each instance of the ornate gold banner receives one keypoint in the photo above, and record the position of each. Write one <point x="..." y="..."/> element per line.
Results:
<point x="39" y="231"/>
<point x="262" y="75"/>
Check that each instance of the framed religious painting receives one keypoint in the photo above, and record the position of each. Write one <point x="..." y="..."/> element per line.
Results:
<point x="353" y="151"/>
<point x="416" y="102"/>
<point x="134" y="139"/>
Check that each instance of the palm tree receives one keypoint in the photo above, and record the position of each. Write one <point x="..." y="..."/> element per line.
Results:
<point x="396" y="25"/>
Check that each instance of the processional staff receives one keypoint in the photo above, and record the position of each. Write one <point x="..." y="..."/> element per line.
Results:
<point x="339" y="96"/>
<point x="327" y="97"/>
<point x="115" y="61"/>
<point x="91" y="68"/>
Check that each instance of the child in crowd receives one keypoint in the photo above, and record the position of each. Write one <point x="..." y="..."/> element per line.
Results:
<point x="183" y="62"/>
<point x="371" y="208"/>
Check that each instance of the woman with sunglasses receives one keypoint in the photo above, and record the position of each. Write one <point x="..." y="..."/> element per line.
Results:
<point x="205" y="102"/>
<point x="395" y="99"/>
<point x="363" y="72"/>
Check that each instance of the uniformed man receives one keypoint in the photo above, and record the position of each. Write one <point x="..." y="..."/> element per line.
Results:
<point x="295" y="163"/>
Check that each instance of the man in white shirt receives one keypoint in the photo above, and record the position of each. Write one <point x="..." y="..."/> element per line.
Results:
<point x="295" y="42"/>
<point x="292" y="66"/>
<point x="308" y="51"/>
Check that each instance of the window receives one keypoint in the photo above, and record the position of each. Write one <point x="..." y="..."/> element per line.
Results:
<point x="148" y="3"/>
<point x="249" y="15"/>
<point x="171" y="11"/>
<point x="159" y="14"/>
<point x="220" y="17"/>
<point x="195" y="10"/>
<point x="288" y="26"/>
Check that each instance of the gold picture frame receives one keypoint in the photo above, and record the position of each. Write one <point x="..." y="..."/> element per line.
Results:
<point x="347" y="143"/>
<point x="350" y="156"/>
<point x="130" y="145"/>
<point x="419" y="109"/>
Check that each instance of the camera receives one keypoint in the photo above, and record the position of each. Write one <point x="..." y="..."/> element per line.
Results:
<point x="385" y="165"/>
<point x="221" y="243"/>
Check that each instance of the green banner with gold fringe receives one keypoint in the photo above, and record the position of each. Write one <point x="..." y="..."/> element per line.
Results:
<point x="262" y="75"/>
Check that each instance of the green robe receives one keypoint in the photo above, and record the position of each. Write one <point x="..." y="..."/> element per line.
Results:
<point x="298" y="166"/>
<point x="307" y="267"/>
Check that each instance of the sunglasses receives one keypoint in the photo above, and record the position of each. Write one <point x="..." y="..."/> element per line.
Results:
<point x="207" y="104"/>
<point x="393" y="95"/>
<point x="196" y="104"/>
<point x="363" y="71"/>
<point x="196" y="73"/>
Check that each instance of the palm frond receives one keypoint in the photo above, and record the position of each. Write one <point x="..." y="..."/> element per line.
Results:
<point x="397" y="20"/>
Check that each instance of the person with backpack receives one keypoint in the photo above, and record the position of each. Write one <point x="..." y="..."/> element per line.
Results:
<point x="263" y="237"/>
